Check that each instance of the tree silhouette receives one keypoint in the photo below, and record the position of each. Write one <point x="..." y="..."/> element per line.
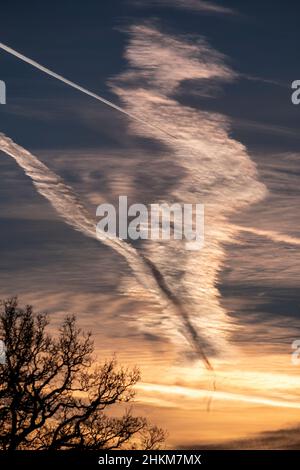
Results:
<point x="52" y="396"/>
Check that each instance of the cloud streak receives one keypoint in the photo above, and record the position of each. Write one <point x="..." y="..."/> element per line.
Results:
<point x="67" y="205"/>
<point x="200" y="6"/>
<point x="218" y="171"/>
<point x="192" y="393"/>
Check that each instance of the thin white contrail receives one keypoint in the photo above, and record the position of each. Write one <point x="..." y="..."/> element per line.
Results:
<point x="80" y="88"/>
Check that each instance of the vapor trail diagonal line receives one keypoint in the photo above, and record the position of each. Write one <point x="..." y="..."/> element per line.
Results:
<point x="82" y="89"/>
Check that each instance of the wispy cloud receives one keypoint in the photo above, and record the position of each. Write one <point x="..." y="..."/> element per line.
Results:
<point x="201" y="6"/>
<point x="70" y="83"/>
<point x="218" y="171"/>
<point x="282" y="439"/>
<point x="271" y="235"/>
<point x="68" y="206"/>
<point x="162" y="61"/>
<point x="264" y="128"/>
<point x="192" y="393"/>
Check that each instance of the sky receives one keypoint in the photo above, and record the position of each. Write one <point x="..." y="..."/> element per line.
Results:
<point x="217" y="76"/>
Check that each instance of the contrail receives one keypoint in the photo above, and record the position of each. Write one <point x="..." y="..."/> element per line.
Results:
<point x="66" y="203"/>
<point x="270" y="234"/>
<point x="82" y="89"/>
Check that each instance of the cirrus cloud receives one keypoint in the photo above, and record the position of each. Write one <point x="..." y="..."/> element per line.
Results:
<point x="193" y="5"/>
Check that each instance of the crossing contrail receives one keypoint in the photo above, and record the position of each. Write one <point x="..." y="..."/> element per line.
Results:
<point x="82" y="89"/>
<point x="66" y="203"/>
<point x="270" y="234"/>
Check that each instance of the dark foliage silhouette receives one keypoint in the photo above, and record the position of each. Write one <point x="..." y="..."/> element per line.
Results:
<point x="54" y="397"/>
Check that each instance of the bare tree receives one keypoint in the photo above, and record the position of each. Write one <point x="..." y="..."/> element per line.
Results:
<point x="53" y="397"/>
